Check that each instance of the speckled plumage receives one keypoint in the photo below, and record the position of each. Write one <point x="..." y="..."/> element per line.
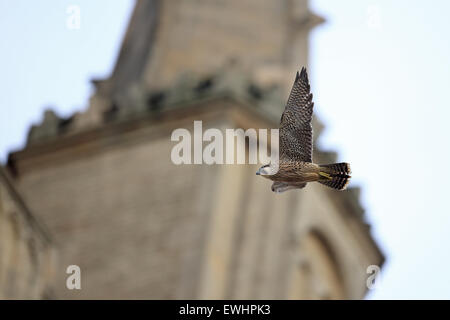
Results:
<point x="295" y="124"/>
<point x="296" y="167"/>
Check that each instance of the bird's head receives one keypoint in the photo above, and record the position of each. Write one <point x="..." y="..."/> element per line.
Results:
<point x="266" y="170"/>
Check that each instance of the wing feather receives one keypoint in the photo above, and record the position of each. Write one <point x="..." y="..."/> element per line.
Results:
<point x="295" y="126"/>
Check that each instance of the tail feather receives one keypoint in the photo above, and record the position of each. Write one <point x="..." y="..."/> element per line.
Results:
<point x="336" y="175"/>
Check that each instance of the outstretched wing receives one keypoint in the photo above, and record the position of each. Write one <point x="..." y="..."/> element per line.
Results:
<point x="295" y="126"/>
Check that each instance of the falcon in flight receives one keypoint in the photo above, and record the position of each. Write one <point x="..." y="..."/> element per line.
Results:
<point x="295" y="167"/>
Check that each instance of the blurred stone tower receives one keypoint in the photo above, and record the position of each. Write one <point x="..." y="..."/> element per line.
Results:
<point x="26" y="249"/>
<point x="140" y="226"/>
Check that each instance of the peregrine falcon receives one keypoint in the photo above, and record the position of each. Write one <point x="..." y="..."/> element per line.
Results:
<point x="295" y="167"/>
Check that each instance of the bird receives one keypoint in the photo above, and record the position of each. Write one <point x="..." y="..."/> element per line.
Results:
<point x="295" y="167"/>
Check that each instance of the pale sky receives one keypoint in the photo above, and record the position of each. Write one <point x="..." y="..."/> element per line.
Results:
<point x="380" y="73"/>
